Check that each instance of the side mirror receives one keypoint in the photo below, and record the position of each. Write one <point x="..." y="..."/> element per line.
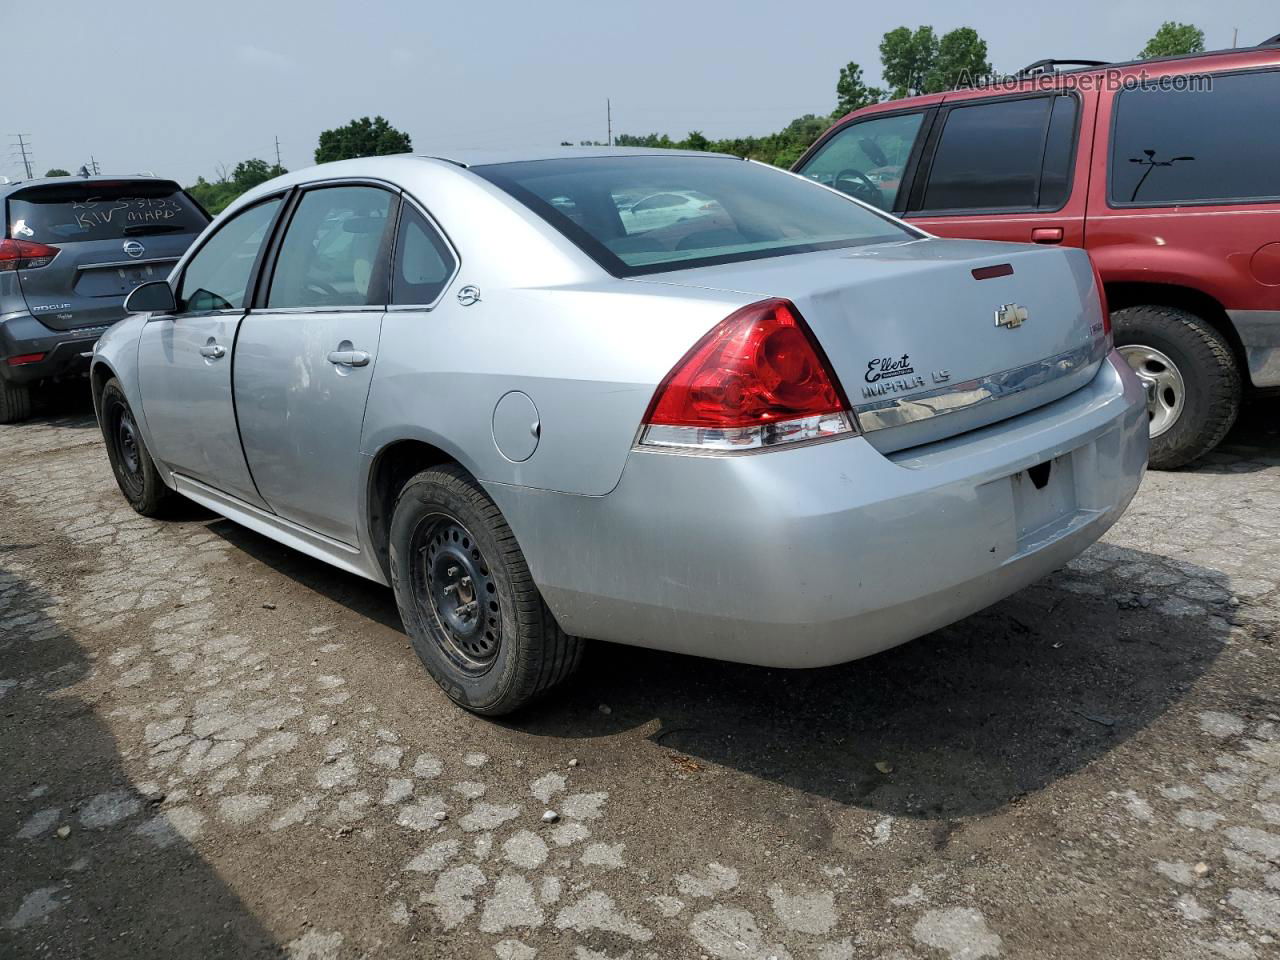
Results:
<point x="155" y="296"/>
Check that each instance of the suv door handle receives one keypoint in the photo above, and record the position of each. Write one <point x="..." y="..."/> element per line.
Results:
<point x="213" y="351"/>
<point x="349" y="358"/>
<point x="1046" y="235"/>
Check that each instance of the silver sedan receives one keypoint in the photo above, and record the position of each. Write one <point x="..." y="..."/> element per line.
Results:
<point x="775" y="426"/>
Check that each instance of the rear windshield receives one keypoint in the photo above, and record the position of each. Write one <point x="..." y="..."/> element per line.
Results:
<point x="65" y="213"/>
<point x="650" y="214"/>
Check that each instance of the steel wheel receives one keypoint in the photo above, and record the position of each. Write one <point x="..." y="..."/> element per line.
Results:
<point x="1166" y="390"/>
<point x="124" y="433"/>
<point x="456" y="593"/>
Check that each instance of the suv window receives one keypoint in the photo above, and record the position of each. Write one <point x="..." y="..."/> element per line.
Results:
<point x="1003" y="154"/>
<point x="217" y="277"/>
<point x="423" y="262"/>
<point x="1176" y="146"/>
<point x="331" y="249"/>
<point x="866" y="159"/>
<point x="67" y="213"/>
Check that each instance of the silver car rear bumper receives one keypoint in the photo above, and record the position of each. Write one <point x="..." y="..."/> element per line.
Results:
<point x="830" y="552"/>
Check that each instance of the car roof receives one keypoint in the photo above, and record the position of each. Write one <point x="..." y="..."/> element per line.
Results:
<point x="8" y="185"/>
<point x="468" y="157"/>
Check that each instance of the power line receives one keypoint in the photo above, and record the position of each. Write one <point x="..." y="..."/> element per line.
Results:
<point x="23" y="144"/>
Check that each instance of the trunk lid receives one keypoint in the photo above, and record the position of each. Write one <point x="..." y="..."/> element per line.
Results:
<point x="111" y="235"/>
<point x="932" y="338"/>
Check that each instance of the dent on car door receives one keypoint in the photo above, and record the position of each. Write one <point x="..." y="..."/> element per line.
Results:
<point x="870" y="159"/>
<point x="185" y="362"/>
<point x="1006" y="169"/>
<point x="305" y="357"/>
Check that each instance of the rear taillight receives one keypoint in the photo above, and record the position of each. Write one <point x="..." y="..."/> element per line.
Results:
<point x="25" y="254"/>
<point x="757" y="380"/>
<point x="1102" y="299"/>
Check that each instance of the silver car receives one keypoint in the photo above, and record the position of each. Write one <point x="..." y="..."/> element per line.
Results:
<point x="794" y="434"/>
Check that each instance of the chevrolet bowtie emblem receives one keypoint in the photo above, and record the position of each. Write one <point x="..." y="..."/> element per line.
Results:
<point x="1011" y="315"/>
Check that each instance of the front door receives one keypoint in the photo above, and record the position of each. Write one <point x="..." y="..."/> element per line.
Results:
<point x="305" y="361"/>
<point x="185" y="359"/>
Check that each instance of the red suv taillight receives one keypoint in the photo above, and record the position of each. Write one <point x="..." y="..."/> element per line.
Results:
<point x="25" y="254"/>
<point x="758" y="379"/>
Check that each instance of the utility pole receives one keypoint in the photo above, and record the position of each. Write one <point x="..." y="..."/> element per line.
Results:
<point x="1235" y="35"/>
<point x="94" y="163"/>
<point x="277" y="151"/>
<point x="22" y="148"/>
<point x="608" y="112"/>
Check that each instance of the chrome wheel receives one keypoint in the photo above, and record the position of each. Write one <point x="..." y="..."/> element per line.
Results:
<point x="1166" y="390"/>
<point x="455" y="589"/>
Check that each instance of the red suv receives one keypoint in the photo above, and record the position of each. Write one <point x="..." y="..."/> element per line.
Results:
<point x="1167" y="171"/>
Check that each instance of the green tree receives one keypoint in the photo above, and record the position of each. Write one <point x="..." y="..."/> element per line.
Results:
<point x="907" y="59"/>
<point x="57" y="172"/>
<point x="852" y="92"/>
<point x="1173" y="39"/>
<point x="362" y="138"/>
<point x="249" y="173"/>
<point x="962" y="58"/>
<point x="696" y="141"/>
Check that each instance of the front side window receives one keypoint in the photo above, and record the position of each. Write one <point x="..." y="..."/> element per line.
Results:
<point x="693" y="211"/>
<point x="867" y="159"/>
<point x="998" y="155"/>
<point x="217" y="277"/>
<point x="330" y="253"/>
<point x="423" y="263"/>
<point x="1197" y="145"/>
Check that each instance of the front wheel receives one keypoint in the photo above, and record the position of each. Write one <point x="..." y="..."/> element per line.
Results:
<point x="1191" y="378"/>
<point x="131" y="462"/>
<point x="468" y="602"/>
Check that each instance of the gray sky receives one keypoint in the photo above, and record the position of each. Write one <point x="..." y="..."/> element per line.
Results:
<point x="179" y="87"/>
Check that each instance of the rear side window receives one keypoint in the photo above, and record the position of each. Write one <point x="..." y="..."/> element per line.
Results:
<point x="867" y="159"/>
<point x="331" y="251"/>
<point x="1198" y="145"/>
<point x="423" y="263"/>
<point x="1002" y="155"/>
<point x="217" y="277"/>
<point x="67" y="213"/>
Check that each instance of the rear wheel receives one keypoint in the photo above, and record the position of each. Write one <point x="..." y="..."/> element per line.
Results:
<point x="1191" y="378"/>
<point x="470" y="606"/>
<point x="15" y="401"/>
<point x="135" y="471"/>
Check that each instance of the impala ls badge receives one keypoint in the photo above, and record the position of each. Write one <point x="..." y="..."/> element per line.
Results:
<point x="1011" y="315"/>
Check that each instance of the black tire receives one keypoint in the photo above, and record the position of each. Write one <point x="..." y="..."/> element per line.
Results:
<point x="1202" y="357"/>
<point x="451" y="548"/>
<point x="131" y="462"/>
<point x="15" y="402"/>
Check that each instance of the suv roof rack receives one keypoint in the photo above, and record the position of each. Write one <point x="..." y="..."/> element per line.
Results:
<point x="1049" y="66"/>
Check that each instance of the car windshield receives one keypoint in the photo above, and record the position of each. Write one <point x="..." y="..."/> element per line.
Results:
<point x="97" y="210"/>
<point x="651" y="214"/>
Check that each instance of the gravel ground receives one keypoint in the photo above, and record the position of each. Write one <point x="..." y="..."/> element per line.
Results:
<point x="211" y="746"/>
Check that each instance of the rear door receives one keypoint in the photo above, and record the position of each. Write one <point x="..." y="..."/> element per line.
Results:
<point x="111" y="236"/>
<point x="305" y="358"/>
<point x="1007" y="168"/>
<point x="184" y="360"/>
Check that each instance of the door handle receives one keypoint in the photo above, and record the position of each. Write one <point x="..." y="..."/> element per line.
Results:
<point x="1046" y="235"/>
<point x="213" y="351"/>
<point x="349" y="358"/>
